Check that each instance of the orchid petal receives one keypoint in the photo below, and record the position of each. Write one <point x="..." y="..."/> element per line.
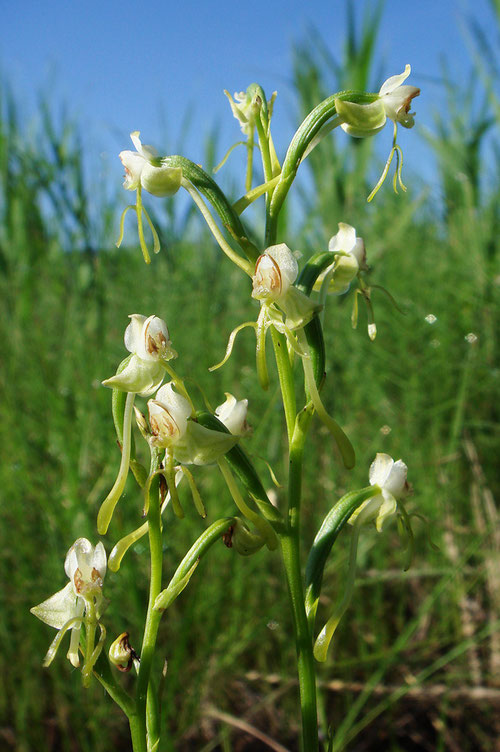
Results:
<point x="58" y="609"/>
<point x="393" y="82"/>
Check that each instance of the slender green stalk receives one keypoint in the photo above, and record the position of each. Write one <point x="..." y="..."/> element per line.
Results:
<point x="140" y="228"/>
<point x="104" y="674"/>
<point x="249" y="173"/>
<point x="90" y="622"/>
<point x="285" y="375"/>
<point x="307" y="136"/>
<point x="297" y="426"/>
<point x="108" y="505"/>
<point x="152" y="616"/>
<point x="203" y="183"/>
<point x="290" y="547"/>
<point x="137" y="733"/>
<point x="265" y="152"/>
<point x="242" y="203"/>
<point x="230" y="252"/>
<point x="153" y="725"/>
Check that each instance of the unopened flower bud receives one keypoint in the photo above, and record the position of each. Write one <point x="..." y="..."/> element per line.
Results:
<point x="243" y="540"/>
<point x="233" y="413"/>
<point x="142" y="424"/>
<point x="121" y="654"/>
<point x="246" y="107"/>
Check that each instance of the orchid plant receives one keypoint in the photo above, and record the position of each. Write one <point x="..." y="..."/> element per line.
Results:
<point x="180" y="435"/>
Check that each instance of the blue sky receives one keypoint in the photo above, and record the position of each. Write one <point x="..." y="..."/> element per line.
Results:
<point x="121" y="66"/>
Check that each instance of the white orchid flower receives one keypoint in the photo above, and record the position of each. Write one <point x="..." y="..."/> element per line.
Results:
<point x="144" y="167"/>
<point x="168" y="417"/>
<point x="349" y="257"/>
<point x="233" y="413"/>
<point x="362" y="119"/>
<point x="149" y="342"/>
<point x="148" y="338"/>
<point x="396" y="98"/>
<point x="85" y="566"/>
<point x="185" y="440"/>
<point x="346" y="242"/>
<point x="390" y="476"/>
<point x="275" y="271"/>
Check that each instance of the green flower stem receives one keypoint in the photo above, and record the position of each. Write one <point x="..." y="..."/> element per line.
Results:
<point x="137" y="733"/>
<point x="264" y="150"/>
<point x="152" y="616"/>
<point x="297" y="426"/>
<point x="285" y="375"/>
<point x="313" y="126"/>
<point x="104" y="674"/>
<point x="203" y="183"/>
<point x="263" y="526"/>
<point x="267" y="165"/>
<point x="249" y="173"/>
<point x="153" y="726"/>
<point x="230" y="252"/>
<point x="90" y="622"/>
<point x="290" y="547"/>
<point x="108" y="505"/>
<point x="140" y="228"/>
<point x="242" y="203"/>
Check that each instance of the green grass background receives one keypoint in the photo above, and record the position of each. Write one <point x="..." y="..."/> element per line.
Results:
<point x="425" y="392"/>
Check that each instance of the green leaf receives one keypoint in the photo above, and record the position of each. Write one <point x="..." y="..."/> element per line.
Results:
<point x="324" y="540"/>
<point x="186" y="568"/>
